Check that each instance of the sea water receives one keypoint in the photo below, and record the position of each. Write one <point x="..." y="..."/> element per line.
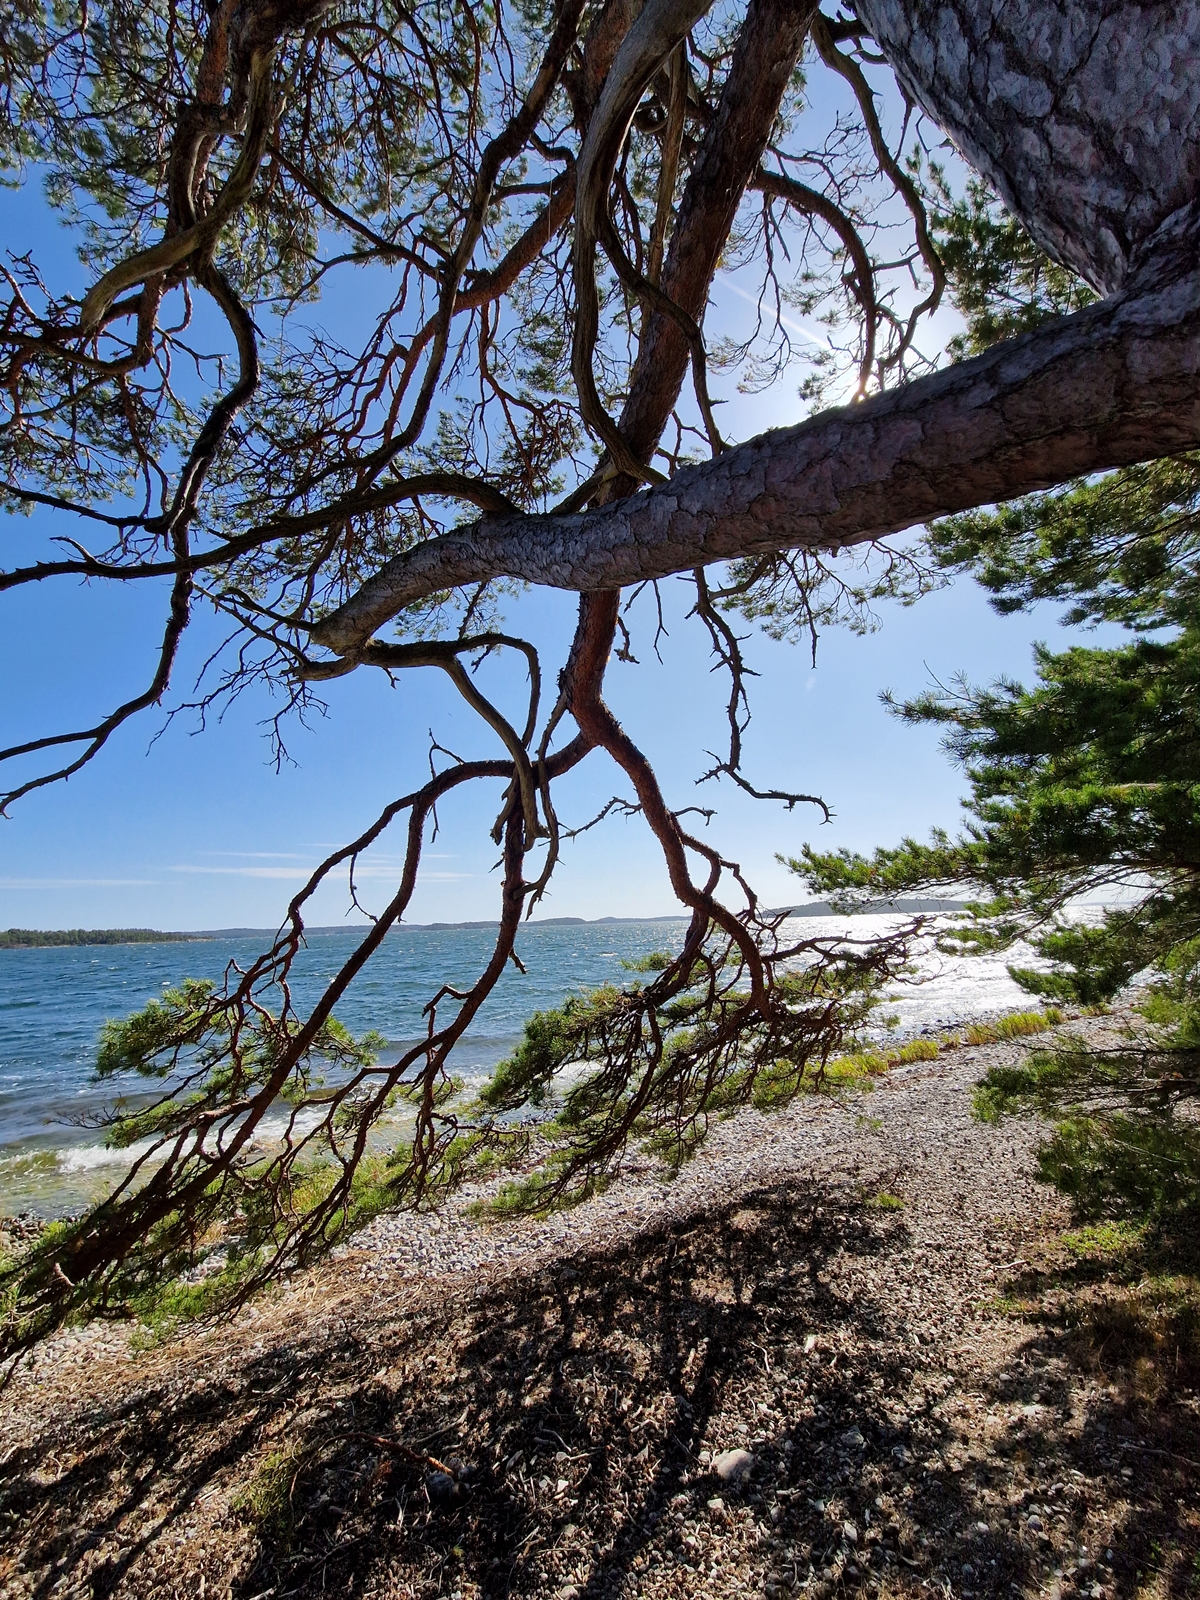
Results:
<point x="54" y="1001"/>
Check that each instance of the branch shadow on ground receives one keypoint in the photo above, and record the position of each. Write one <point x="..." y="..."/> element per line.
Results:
<point x="574" y="1408"/>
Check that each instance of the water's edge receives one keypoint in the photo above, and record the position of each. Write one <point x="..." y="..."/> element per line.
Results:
<point x="54" y="1000"/>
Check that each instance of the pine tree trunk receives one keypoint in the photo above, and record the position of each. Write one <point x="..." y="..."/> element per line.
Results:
<point x="1084" y="114"/>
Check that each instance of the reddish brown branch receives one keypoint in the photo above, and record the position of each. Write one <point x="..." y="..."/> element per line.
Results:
<point x="585" y="674"/>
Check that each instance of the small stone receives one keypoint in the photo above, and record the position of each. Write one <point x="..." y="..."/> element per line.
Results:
<point x="853" y="1438"/>
<point x="982" y="1527"/>
<point x="733" y="1466"/>
<point x="810" y="1343"/>
<point x="851" y="1532"/>
<point x="716" y="1504"/>
<point x="439" y="1486"/>
<point x="1034" y="1524"/>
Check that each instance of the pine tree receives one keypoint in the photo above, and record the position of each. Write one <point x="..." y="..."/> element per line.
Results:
<point x="528" y="207"/>
<point x="1084" y="786"/>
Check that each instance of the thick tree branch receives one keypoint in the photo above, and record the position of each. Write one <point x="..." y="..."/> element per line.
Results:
<point x="1113" y="384"/>
<point x="764" y="59"/>
<point x="660" y="28"/>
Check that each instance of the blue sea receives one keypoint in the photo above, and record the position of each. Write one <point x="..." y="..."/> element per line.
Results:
<point x="53" y="1003"/>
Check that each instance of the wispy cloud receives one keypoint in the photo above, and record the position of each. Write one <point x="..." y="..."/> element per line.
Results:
<point x="255" y="855"/>
<point x="382" y="855"/>
<point x="368" y="870"/>
<point x="78" y="883"/>
<point x="247" y="872"/>
<point x="382" y="858"/>
<point x="788" y="322"/>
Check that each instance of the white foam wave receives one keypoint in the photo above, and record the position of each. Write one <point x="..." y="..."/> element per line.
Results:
<point x="88" y="1157"/>
<point x="950" y="990"/>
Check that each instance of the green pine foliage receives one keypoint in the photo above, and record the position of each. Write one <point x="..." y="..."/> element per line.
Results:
<point x="1084" y="785"/>
<point x="1001" y="282"/>
<point x="1123" y="548"/>
<point x="619" y="1066"/>
<point x="291" y="1191"/>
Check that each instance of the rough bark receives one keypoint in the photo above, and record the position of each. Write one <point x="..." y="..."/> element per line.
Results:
<point x="1084" y="114"/>
<point x="1086" y="117"/>
<point x="1115" y="384"/>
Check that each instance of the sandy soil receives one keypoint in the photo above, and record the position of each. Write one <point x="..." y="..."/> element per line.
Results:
<point x="859" y="1294"/>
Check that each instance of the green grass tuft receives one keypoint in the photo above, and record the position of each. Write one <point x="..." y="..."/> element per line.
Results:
<point x="1016" y="1026"/>
<point x="267" y="1498"/>
<point x="916" y="1050"/>
<point x="1105" y="1241"/>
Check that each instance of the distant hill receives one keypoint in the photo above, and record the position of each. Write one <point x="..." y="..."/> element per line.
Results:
<point x="38" y="938"/>
<point x="436" y="927"/>
<point x="41" y="938"/>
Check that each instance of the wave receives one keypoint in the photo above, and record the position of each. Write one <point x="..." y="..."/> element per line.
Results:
<point x="45" y="1060"/>
<point x="91" y="1157"/>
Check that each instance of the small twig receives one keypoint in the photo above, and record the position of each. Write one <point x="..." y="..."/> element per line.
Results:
<point x="1150" y="1450"/>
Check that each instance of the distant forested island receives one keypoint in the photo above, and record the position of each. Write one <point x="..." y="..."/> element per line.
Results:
<point x="36" y="938"/>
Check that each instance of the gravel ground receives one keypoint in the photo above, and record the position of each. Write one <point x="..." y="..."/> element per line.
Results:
<point x="796" y="1368"/>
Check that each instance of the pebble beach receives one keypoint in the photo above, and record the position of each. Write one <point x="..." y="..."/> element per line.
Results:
<point x="803" y="1366"/>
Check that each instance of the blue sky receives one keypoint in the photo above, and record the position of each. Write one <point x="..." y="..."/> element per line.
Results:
<point x="197" y="830"/>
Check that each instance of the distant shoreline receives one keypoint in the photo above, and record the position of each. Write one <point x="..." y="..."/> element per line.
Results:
<point x="60" y="938"/>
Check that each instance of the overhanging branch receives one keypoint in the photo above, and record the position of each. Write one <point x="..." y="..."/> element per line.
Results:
<point x="1113" y="384"/>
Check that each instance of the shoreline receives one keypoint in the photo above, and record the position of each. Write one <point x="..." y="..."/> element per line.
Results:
<point x="68" y="1184"/>
<point x="52" y="1008"/>
<point x="824" y="1289"/>
<point x="87" y="938"/>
